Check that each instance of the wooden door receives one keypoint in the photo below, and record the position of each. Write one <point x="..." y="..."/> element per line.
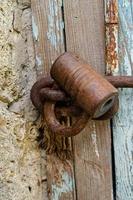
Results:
<point x="33" y="34"/>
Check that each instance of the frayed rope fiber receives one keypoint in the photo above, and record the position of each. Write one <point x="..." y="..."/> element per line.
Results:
<point x="52" y="143"/>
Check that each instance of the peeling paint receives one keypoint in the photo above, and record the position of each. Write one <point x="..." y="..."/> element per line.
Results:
<point x="34" y="29"/>
<point x="65" y="186"/>
<point x="38" y="61"/>
<point x="94" y="140"/>
<point x="126" y="39"/>
<point x="60" y="2"/>
<point x="55" y="25"/>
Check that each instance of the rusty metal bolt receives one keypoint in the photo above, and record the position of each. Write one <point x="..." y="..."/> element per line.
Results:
<point x="45" y="93"/>
<point x="121" y="81"/>
<point x="87" y="88"/>
<point x="92" y="95"/>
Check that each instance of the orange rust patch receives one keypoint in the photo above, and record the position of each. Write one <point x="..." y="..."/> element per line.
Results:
<point x="111" y="23"/>
<point x="112" y="48"/>
<point x="112" y="11"/>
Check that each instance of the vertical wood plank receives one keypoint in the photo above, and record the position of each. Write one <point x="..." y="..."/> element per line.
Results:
<point x="84" y="26"/>
<point x="122" y="123"/>
<point x="48" y="32"/>
<point x="47" y="25"/>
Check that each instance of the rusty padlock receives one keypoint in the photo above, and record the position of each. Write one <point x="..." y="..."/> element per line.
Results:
<point x="84" y="87"/>
<point x="89" y="90"/>
<point x="92" y="96"/>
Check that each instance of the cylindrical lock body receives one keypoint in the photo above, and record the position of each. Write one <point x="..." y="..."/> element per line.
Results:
<point x="87" y="88"/>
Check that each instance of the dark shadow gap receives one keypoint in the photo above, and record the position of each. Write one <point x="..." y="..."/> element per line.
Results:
<point x="113" y="161"/>
<point x="64" y="31"/>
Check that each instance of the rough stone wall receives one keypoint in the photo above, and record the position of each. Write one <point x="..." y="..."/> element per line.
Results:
<point x="22" y="165"/>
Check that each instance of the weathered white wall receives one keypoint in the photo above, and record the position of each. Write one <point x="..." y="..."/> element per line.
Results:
<point x="22" y="166"/>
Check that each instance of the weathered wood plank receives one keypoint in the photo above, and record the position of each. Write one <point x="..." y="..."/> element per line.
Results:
<point x="122" y="123"/>
<point x="84" y="26"/>
<point x="48" y="31"/>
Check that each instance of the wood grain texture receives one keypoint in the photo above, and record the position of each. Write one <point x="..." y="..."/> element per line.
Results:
<point x="48" y="36"/>
<point x="84" y="28"/>
<point x="123" y="122"/>
<point x="48" y="32"/>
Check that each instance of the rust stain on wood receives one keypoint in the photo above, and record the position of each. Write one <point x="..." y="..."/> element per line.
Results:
<point x="111" y="11"/>
<point x="111" y="25"/>
<point x="112" y="48"/>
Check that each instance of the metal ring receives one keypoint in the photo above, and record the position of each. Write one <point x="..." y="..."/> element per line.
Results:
<point x="71" y="111"/>
<point x="35" y="91"/>
<point x="55" y="126"/>
<point x="53" y="95"/>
